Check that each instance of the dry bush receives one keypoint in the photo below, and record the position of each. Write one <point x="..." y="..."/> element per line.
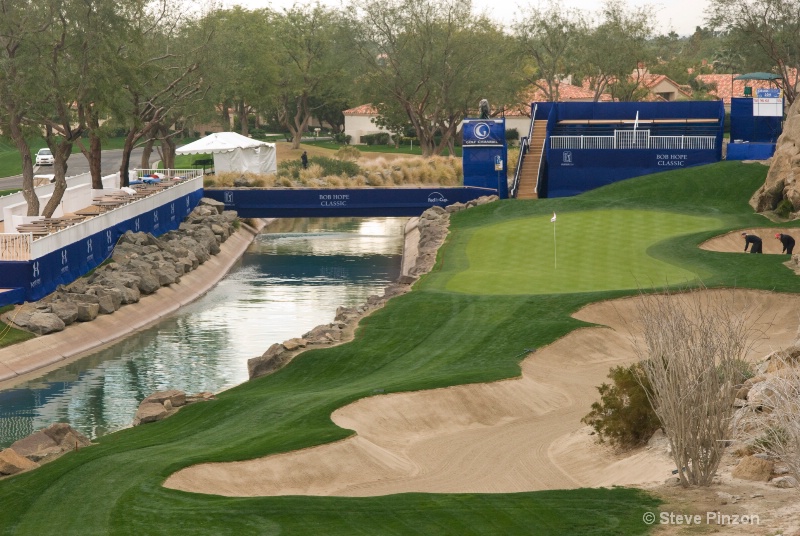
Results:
<point x="690" y="349"/>
<point x="348" y="152"/>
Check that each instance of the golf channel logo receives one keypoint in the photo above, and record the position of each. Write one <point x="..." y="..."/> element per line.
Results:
<point x="482" y="131"/>
<point x="436" y="197"/>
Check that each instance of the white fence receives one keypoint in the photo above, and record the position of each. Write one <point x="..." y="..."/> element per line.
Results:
<point x="630" y="139"/>
<point x="22" y="247"/>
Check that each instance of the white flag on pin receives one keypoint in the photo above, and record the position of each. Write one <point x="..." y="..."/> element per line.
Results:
<point x="553" y="219"/>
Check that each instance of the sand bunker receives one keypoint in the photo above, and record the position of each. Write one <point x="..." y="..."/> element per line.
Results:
<point x="734" y="241"/>
<point x="509" y="436"/>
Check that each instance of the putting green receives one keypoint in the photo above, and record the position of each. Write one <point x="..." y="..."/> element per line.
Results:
<point x="581" y="252"/>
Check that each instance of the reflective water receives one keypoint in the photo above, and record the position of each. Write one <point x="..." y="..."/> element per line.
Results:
<point x="292" y="278"/>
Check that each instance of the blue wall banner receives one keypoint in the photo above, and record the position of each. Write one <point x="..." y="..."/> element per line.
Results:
<point x="39" y="277"/>
<point x="331" y="203"/>
<point x="573" y="171"/>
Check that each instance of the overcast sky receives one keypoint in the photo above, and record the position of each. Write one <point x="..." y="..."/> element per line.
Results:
<point x="679" y="15"/>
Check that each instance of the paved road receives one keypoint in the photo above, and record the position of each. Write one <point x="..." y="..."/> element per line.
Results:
<point x="77" y="164"/>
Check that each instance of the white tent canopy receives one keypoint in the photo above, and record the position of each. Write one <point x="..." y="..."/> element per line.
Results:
<point x="234" y="152"/>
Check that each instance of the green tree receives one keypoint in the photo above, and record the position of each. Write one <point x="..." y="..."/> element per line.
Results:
<point x="615" y="52"/>
<point x="20" y="23"/>
<point x="311" y="57"/>
<point x="432" y="61"/>
<point x="773" y="26"/>
<point x="549" y="40"/>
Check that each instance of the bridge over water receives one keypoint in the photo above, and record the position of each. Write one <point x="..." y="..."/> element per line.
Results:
<point x="329" y="203"/>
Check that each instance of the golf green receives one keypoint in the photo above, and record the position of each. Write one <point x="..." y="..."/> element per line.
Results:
<point x="587" y="251"/>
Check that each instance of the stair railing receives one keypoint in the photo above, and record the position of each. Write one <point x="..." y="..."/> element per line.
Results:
<point x="524" y="146"/>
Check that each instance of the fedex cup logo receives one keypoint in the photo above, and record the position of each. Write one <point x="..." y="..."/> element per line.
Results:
<point x="481" y="131"/>
<point x="108" y="236"/>
<point x="136" y="224"/>
<point x="172" y="208"/>
<point x="155" y="216"/>
<point x="88" y="247"/>
<point x="36" y="269"/>
<point x="63" y="257"/>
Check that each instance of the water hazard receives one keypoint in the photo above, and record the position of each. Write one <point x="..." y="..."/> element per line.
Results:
<point x="291" y="279"/>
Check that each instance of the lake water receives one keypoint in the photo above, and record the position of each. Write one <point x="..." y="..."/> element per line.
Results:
<point x="292" y="278"/>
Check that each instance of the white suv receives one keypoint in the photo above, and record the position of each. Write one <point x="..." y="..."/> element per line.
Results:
<point x="44" y="158"/>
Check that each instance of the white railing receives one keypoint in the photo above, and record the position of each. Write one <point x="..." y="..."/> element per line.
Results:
<point x="682" y="142"/>
<point x="15" y="246"/>
<point x="22" y="247"/>
<point x="186" y="173"/>
<point x="629" y="139"/>
<point x="581" y="142"/>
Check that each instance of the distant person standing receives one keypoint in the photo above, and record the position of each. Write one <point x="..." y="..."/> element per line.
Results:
<point x="752" y="239"/>
<point x="304" y="159"/>
<point x="787" y="241"/>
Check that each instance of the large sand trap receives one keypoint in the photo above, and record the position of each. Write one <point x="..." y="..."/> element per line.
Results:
<point x="514" y="435"/>
<point x="734" y="241"/>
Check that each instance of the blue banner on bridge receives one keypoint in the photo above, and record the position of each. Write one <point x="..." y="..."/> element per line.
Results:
<point x="331" y="203"/>
<point x="39" y="277"/>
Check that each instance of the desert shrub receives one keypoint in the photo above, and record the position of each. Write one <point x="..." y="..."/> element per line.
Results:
<point x="348" y="153"/>
<point x="512" y="134"/>
<point x="624" y="415"/>
<point x="743" y="371"/>
<point x="784" y="208"/>
<point x="343" y="138"/>
<point x="379" y="138"/>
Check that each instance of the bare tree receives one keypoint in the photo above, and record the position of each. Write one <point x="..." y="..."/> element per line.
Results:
<point x="691" y="348"/>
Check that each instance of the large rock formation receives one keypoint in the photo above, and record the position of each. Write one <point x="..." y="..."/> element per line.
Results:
<point x="141" y="264"/>
<point x="12" y="463"/>
<point x="50" y="442"/>
<point x="783" y="178"/>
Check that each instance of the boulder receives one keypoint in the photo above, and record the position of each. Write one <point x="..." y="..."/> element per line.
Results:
<point x="88" y="311"/>
<point x="65" y="310"/>
<point x="149" y="412"/>
<point x="217" y="206"/>
<point x="294" y="344"/>
<point x="12" y="463"/>
<point x="36" y="446"/>
<point x="753" y="468"/>
<point x="66" y="436"/>
<point x="38" y="322"/>
<point x="268" y="362"/>
<point x="175" y="397"/>
<point x="784" y="482"/>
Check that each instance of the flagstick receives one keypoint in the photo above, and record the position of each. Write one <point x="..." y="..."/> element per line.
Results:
<point x="555" y="249"/>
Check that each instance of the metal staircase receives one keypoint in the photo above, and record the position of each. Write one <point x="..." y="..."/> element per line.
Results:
<point x="529" y="173"/>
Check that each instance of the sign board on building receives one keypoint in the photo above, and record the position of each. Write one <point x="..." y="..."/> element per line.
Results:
<point x="768" y="102"/>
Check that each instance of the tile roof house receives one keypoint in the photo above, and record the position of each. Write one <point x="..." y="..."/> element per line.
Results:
<point x="358" y="122"/>
<point x="726" y="87"/>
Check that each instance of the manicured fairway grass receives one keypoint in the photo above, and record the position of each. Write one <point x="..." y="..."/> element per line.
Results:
<point x="431" y="337"/>
<point x="579" y="252"/>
